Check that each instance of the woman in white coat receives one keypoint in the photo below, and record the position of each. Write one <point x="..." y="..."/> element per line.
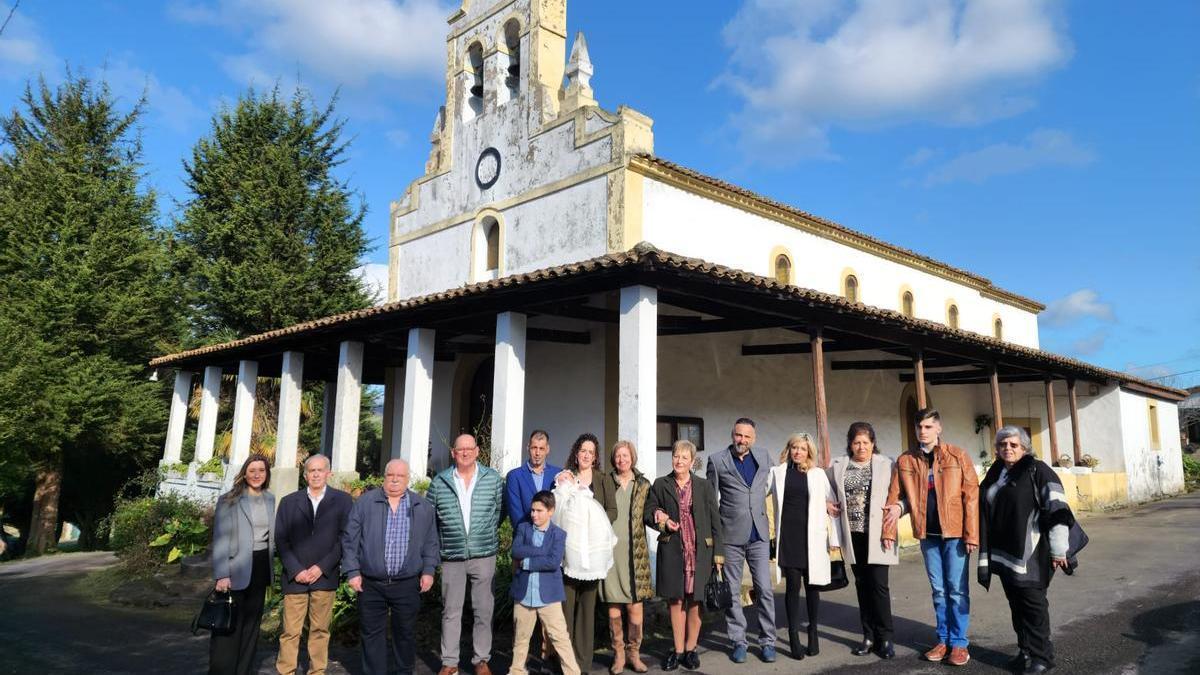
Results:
<point x="861" y="480"/>
<point x="804" y="536"/>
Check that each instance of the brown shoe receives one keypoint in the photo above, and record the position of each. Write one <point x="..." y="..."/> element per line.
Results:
<point x="937" y="653"/>
<point x="959" y="656"/>
<point x="448" y="670"/>
<point x="481" y="668"/>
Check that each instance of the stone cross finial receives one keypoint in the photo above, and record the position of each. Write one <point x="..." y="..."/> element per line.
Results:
<point x="578" y="92"/>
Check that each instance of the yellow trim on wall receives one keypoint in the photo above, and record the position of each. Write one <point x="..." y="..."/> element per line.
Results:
<point x="1152" y="423"/>
<point x="996" y="320"/>
<point x="905" y="288"/>
<point x="478" y="270"/>
<point x="847" y="273"/>
<point x="951" y="304"/>
<point x="771" y="261"/>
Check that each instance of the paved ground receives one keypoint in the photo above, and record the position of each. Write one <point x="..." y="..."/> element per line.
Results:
<point x="1134" y="606"/>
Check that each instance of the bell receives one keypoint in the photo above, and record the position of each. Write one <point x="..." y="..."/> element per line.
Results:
<point x="514" y="69"/>
<point x="477" y="90"/>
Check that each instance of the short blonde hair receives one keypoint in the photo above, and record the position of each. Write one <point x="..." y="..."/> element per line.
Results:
<point x="612" y="455"/>
<point x="687" y="446"/>
<point x="803" y="440"/>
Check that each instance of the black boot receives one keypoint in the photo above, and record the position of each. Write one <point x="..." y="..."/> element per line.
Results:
<point x="814" y="643"/>
<point x="865" y="648"/>
<point x="885" y="650"/>
<point x="671" y="662"/>
<point x="794" y="645"/>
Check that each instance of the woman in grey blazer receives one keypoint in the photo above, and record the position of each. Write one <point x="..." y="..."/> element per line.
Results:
<point x="861" y="480"/>
<point x="242" y="548"/>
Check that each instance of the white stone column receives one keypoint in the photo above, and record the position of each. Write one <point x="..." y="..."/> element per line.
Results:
<point x="393" y="415"/>
<point x="285" y="474"/>
<point x="418" y="401"/>
<point x="637" y="406"/>
<point x="243" y="413"/>
<point x="349" y="400"/>
<point x="508" y="392"/>
<point x="206" y="429"/>
<point x="328" y="409"/>
<point x="177" y="422"/>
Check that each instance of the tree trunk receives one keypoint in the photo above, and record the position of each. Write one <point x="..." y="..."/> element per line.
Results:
<point x="46" y="493"/>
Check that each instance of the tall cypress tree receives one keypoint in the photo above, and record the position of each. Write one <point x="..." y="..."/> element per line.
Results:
<point x="85" y="297"/>
<point x="269" y="236"/>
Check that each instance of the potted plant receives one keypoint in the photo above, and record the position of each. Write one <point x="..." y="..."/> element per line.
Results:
<point x="1065" y="462"/>
<point x="358" y="486"/>
<point x="212" y="470"/>
<point x="177" y="470"/>
<point x="1089" y="461"/>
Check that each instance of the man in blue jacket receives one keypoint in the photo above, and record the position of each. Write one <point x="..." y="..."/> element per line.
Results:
<point x="523" y="482"/>
<point x="537" y="587"/>
<point x="308" y="535"/>
<point x="390" y="552"/>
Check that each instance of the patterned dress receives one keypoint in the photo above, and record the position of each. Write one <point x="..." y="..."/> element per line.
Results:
<point x="687" y="532"/>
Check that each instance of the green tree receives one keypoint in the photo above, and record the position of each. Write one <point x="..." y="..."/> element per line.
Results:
<point x="85" y="298"/>
<point x="269" y="236"/>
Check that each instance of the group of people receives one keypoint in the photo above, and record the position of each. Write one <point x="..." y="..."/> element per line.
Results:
<point x="580" y="537"/>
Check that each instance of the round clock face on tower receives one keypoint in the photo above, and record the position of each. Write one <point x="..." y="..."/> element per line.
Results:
<point x="487" y="169"/>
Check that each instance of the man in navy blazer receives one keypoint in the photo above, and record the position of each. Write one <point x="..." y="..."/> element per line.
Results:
<point x="523" y="482"/>
<point x="390" y="552"/>
<point x="308" y="535"/>
<point x="537" y="588"/>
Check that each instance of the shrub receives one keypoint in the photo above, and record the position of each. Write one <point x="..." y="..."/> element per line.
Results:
<point x="1089" y="461"/>
<point x="1191" y="472"/>
<point x="213" y="466"/>
<point x="149" y="532"/>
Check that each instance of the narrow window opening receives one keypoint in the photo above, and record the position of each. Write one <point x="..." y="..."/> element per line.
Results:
<point x="493" y="246"/>
<point x="906" y="304"/>
<point x="952" y="316"/>
<point x="850" y="290"/>
<point x="998" y="329"/>
<point x="475" y="63"/>
<point x="783" y="269"/>
<point x="512" y="40"/>
<point x="1152" y="414"/>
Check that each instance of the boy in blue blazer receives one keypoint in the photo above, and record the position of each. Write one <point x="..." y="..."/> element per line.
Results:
<point x="537" y="587"/>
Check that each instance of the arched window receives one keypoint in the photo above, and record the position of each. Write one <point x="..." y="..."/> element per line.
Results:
<point x="783" y="269"/>
<point x="475" y="66"/>
<point x="850" y="288"/>
<point x="492" y="228"/>
<point x="512" y="41"/>
<point x="906" y="304"/>
<point x="952" y="316"/>
<point x="998" y="329"/>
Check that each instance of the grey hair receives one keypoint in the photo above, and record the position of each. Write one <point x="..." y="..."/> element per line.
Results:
<point x="1009" y="430"/>
<point x="328" y="464"/>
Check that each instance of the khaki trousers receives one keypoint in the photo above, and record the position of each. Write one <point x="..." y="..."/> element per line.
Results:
<point x="318" y="607"/>
<point x="555" y="624"/>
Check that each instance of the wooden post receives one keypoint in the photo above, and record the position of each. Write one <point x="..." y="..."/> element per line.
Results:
<point x="1077" y="449"/>
<point x="997" y="413"/>
<point x="1051" y="421"/>
<point x="919" y="379"/>
<point x="818" y="365"/>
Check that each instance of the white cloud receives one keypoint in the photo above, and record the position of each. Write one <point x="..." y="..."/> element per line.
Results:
<point x="918" y="157"/>
<point x="1081" y="304"/>
<point x="346" y="42"/>
<point x="1044" y="147"/>
<point x="1090" y="344"/>
<point x="375" y="278"/>
<point x="804" y="66"/>
<point x="24" y="52"/>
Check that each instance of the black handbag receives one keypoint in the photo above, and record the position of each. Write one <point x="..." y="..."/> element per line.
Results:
<point x="717" y="595"/>
<point x="837" y="575"/>
<point x="216" y="615"/>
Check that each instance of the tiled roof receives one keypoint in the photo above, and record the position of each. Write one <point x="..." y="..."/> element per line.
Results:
<point x="649" y="258"/>
<point x="846" y="234"/>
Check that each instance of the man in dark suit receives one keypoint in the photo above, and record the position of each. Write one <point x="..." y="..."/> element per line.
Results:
<point x="523" y="482"/>
<point x="390" y="552"/>
<point x="740" y="474"/>
<point x="308" y="535"/>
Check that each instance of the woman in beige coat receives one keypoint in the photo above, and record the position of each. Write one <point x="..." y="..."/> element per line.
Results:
<point x="861" y="481"/>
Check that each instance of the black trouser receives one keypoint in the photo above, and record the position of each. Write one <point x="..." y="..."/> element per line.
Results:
<point x="403" y="598"/>
<point x="233" y="654"/>
<point x="1030" y="620"/>
<point x="874" y="595"/>
<point x="812" y="600"/>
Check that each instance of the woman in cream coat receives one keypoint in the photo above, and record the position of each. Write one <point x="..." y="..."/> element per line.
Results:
<point x="804" y="535"/>
<point x="861" y="480"/>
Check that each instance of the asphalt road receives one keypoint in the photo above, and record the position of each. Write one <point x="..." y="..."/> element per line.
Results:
<point x="1133" y="606"/>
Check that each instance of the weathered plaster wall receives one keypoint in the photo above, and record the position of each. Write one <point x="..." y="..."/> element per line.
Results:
<point x="690" y="225"/>
<point x="1100" y="428"/>
<point x="1152" y="471"/>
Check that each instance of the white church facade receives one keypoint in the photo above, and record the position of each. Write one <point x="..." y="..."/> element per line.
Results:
<point x="548" y="270"/>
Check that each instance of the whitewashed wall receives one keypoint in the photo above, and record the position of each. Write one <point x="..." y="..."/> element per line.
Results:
<point x="690" y="225"/>
<point x="1152" y="472"/>
<point x="1101" y="428"/>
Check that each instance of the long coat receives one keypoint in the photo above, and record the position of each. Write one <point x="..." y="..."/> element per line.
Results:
<point x="233" y="539"/>
<point x="639" y="549"/>
<point x="821" y="536"/>
<point x="710" y="545"/>
<point x="882" y="468"/>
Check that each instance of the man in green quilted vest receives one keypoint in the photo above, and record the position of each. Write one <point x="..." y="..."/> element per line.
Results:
<point x="468" y="498"/>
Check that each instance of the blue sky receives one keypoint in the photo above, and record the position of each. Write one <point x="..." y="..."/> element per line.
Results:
<point x="1050" y="146"/>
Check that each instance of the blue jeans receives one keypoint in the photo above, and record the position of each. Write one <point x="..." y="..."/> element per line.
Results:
<point x="946" y="564"/>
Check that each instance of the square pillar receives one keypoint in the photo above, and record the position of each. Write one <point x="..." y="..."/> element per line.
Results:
<point x="637" y="406"/>
<point x="206" y="429"/>
<point x="348" y="401"/>
<point x="178" y="418"/>
<point x="508" y="392"/>
<point x="393" y="415"/>
<point x="286" y="475"/>
<point x="417" y="406"/>
<point x="328" y="409"/>
<point x="243" y="414"/>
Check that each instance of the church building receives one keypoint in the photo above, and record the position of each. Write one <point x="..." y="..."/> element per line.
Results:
<point x="549" y="270"/>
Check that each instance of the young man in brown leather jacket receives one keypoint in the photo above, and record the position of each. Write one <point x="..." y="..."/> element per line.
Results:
<point x="937" y="485"/>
